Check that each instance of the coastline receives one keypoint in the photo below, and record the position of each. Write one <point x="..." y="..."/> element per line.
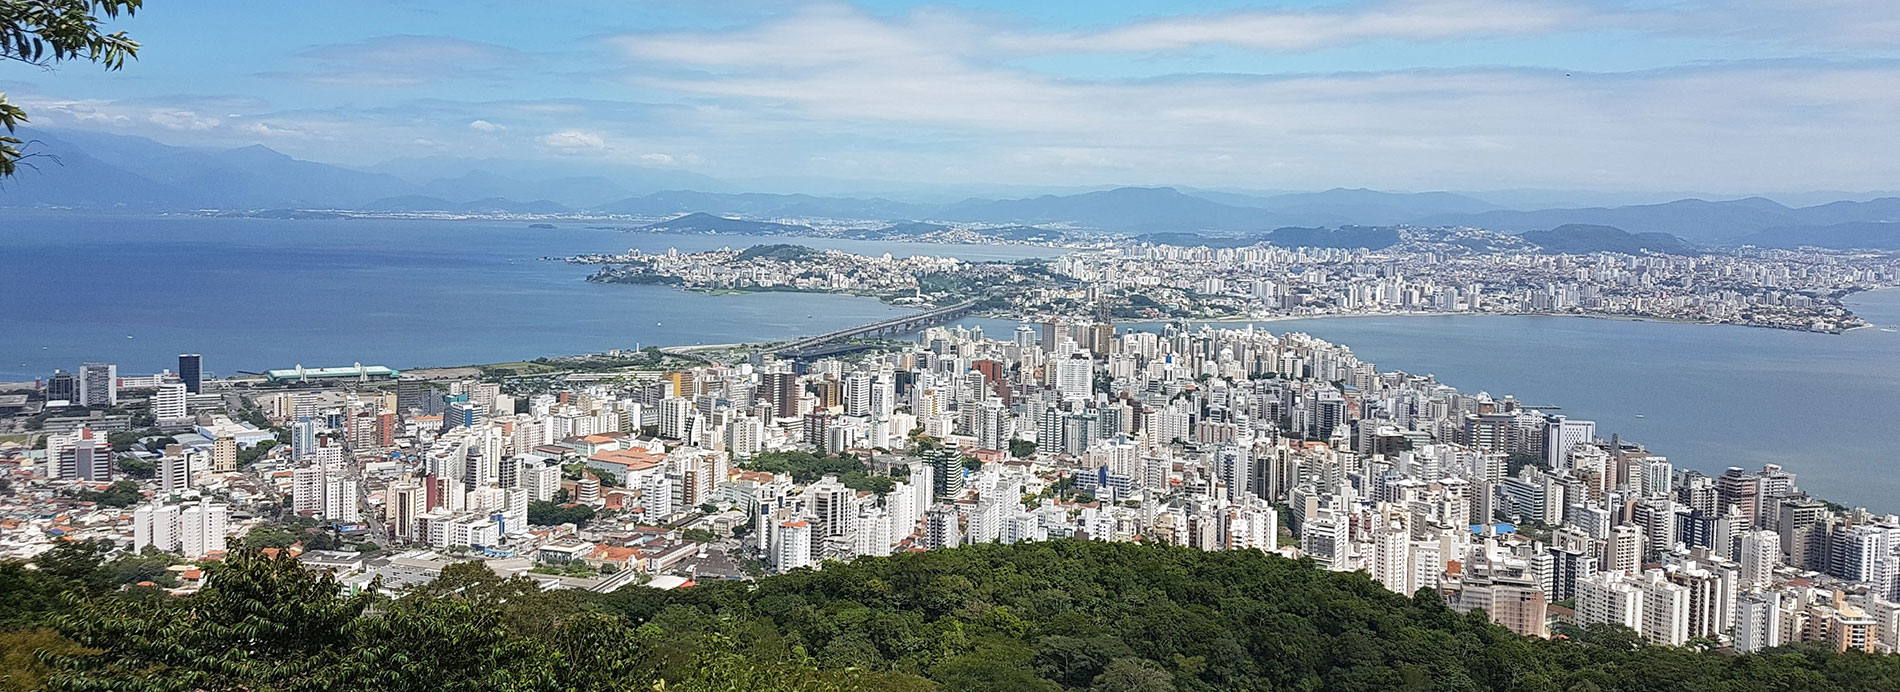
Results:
<point x="688" y="349"/>
<point x="1330" y="316"/>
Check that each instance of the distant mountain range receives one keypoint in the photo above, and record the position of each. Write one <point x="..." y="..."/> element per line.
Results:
<point x="1578" y="238"/>
<point x="91" y="170"/>
<point x="1691" y="219"/>
<point x="701" y="222"/>
<point x="486" y="205"/>
<point x="102" y="171"/>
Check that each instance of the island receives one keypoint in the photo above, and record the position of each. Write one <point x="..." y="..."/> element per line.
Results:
<point x="1597" y="272"/>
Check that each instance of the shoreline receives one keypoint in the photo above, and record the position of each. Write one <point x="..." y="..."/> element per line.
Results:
<point x="1616" y="318"/>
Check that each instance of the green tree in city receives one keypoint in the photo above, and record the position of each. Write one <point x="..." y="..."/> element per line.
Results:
<point x="119" y="494"/>
<point x="550" y="514"/>
<point x="137" y="468"/>
<point x="269" y="535"/>
<point x="259" y="623"/>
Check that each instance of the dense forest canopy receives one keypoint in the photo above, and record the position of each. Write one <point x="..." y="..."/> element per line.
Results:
<point x="1060" y="615"/>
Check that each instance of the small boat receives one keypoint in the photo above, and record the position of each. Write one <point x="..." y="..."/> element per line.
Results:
<point x="1889" y="329"/>
<point x="1639" y="415"/>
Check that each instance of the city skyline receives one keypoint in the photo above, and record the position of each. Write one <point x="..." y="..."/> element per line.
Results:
<point x="1427" y="94"/>
<point x="961" y="345"/>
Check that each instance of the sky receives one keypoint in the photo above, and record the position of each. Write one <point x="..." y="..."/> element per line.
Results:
<point x="1719" y="95"/>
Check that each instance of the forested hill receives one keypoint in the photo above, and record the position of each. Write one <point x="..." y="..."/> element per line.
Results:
<point x="1063" y="615"/>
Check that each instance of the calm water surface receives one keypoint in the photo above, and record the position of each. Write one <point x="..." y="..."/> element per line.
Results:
<point x="252" y="294"/>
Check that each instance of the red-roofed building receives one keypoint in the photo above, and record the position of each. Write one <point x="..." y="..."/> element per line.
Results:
<point x="629" y="467"/>
<point x="621" y="557"/>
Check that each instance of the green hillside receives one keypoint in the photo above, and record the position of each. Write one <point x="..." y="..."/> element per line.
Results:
<point x="1061" y="615"/>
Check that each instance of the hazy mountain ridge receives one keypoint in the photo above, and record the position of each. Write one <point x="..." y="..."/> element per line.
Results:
<point x="1355" y="206"/>
<point x="700" y="222"/>
<point x="490" y="205"/>
<point x="150" y="175"/>
<point x="1695" y="220"/>
<point x="1348" y="237"/>
<point x="1120" y="209"/>
<point x="92" y="170"/>
<point x="761" y="204"/>
<point x="1578" y="238"/>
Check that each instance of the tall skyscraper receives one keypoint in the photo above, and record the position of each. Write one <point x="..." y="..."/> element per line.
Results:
<point x="1738" y="488"/>
<point x="407" y="501"/>
<point x="201" y="529"/>
<point x="155" y="525"/>
<point x="792" y="545"/>
<point x="1758" y="621"/>
<point x="224" y="454"/>
<point x="1560" y="434"/>
<point x="168" y="403"/>
<point x="62" y="386"/>
<point x="1075" y="377"/>
<point x="179" y="466"/>
<point x="992" y="426"/>
<point x="1665" y="608"/>
<point x="98" y="384"/>
<point x="191" y="371"/>
<point x="857" y="394"/>
<point x="781" y="389"/>
<point x="79" y="456"/>
<point x="303" y="438"/>
<point x="1623" y="551"/>
<point x="940" y="528"/>
<point x="191" y="530"/>
<point x="676" y="416"/>
<point x="409" y="395"/>
<point x="1760" y="553"/>
<point x="946" y="467"/>
<point x="833" y="507"/>
<point x="1026" y="337"/>
<point x="883" y="397"/>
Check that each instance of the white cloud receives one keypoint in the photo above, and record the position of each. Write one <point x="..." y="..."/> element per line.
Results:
<point x="1278" y="31"/>
<point x="182" y="120"/>
<point x="834" y="91"/>
<point x="1839" y="24"/>
<point x="898" y="92"/>
<point x="574" y="142"/>
<point x="270" y="130"/>
<point x="816" y="36"/>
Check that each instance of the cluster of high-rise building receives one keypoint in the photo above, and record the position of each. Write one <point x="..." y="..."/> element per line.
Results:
<point x="1219" y="439"/>
<point x="1472" y="271"/>
<point x="789" y="268"/>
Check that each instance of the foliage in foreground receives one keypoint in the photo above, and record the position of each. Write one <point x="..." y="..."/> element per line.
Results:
<point x="1062" y="615"/>
<point x="45" y="32"/>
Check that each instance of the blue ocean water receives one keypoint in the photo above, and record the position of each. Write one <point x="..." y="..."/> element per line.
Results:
<point x="251" y="294"/>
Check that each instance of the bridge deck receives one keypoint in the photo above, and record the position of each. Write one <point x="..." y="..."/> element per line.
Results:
<point x="900" y="324"/>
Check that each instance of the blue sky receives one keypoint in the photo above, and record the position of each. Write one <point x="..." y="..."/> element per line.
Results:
<point x="1719" y="95"/>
